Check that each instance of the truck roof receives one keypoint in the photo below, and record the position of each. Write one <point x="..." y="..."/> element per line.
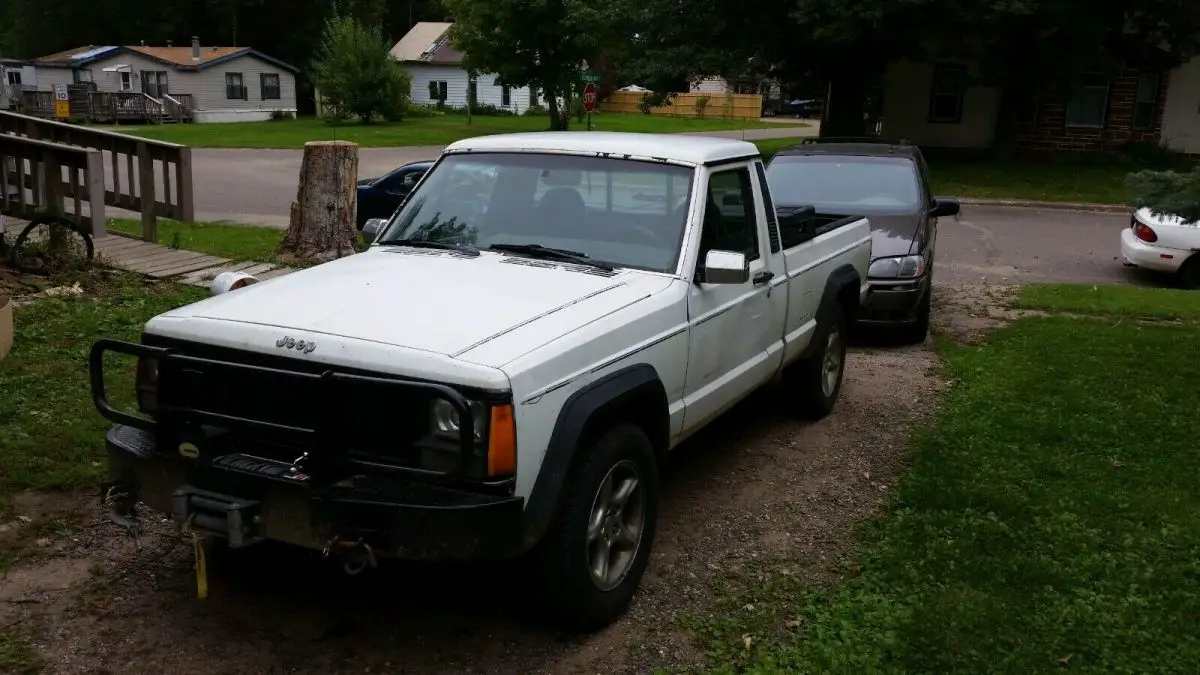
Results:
<point x="681" y="148"/>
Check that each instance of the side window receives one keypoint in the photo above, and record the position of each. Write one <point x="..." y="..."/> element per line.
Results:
<point x="772" y="222"/>
<point x="730" y="218"/>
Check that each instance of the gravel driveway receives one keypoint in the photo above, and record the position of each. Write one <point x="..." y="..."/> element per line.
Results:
<point x="756" y="486"/>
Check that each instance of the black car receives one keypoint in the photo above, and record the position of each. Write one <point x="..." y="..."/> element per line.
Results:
<point x="379" y="197"/>
<point x="886" y="181"/>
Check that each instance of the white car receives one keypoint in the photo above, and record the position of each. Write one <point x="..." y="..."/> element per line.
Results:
<point x="1163" y="243"/>
<point x="502" y="370"/>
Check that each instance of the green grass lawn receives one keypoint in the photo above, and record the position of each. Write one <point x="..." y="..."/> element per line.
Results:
<point x="418" y="131"/>
<point x="1123" y="301"/>
<point x="51" y="435"/>
<point x="235" y="242"/>
<point x="1049" y="520"/>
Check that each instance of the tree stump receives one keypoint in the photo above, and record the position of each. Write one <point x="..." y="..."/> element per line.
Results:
<point x="322" y="225"/>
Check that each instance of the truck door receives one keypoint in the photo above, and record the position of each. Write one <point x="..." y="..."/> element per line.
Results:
<point x="732" y="332"/>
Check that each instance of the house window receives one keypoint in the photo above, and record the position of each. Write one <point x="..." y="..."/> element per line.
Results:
<point x="154" y="82"/>
<point x="269" y="85"/>
<point x="82" y="76"/>
<point x="125" y="80"/>
<point x="1146" y="104"/>
<point x="533" y="97"/>
<point x="1088" y="104"/>
<point x="234" y="89"/>
<point x="473" y="93"/>
<point x="505" y="96"/>
<point x="946" y="94"/>
<point x="14" y="77"/>
<point x="437" y="90"/>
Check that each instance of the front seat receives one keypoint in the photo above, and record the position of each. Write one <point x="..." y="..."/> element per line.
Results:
<point x="561" y="212"/>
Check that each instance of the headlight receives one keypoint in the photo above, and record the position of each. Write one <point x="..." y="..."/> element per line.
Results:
<point x="146" y="384"/>
<point x="445" y="419"/>
<point x="900" y="267"/>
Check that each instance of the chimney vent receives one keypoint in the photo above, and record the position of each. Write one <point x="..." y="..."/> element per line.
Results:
<point x="195" y="48"/>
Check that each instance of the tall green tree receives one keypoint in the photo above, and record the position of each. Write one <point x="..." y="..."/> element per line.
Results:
<point x="534" y="43"/>
<point x="355" y="74"/>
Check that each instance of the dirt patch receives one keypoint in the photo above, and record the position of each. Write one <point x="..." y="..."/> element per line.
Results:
<point x="758" y="485"/>
<point x="966" y="313"/>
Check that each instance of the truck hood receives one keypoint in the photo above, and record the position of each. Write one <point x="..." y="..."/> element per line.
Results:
<point x="432" y="301"/>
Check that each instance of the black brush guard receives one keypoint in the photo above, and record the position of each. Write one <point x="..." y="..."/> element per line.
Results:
<point x="323" y="462"/>
<point x="403" y="511"/>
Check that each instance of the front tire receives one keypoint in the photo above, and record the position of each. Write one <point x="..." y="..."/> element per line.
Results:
<point x="918" y="330"/>
<point x="816" y="381"/>
<point x="597" y="549"/>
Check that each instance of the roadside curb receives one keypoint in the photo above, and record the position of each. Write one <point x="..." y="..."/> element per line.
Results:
<point x="1060" y="206"/>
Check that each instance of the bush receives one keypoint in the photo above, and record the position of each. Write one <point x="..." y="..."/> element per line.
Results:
<point x="700" y="106"/>
<point x="417" y="112"/>
<point x="481" y="110"/>
<point x="280" y="115"/>
<point x="1167" y="192"/>
<point x="578" y="111"/>
<point x="537" y="110"/>
<point x="355" y="74"/>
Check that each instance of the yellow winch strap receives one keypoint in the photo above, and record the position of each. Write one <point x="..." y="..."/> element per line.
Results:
<point x="201" y="566"/>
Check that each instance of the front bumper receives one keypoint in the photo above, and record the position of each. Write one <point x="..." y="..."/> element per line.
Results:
<point x="893" y="303"/>
<point x="1137" y="253"/>
<point x="248" y="499"/>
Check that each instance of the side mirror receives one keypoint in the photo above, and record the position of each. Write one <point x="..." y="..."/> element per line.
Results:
<point x="372" y="228"/>
<point x="725" y="267"/>
<point x="944" y="207"/>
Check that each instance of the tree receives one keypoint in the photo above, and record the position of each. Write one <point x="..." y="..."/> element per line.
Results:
<point x="1167" y="192"/>
<point x="355" y="74"/>
<point x="322" y="223"/>
<point x="526" y="43"/>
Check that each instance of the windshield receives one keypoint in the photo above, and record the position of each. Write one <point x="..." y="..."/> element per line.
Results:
<point x="845" y="184"/>
<point x="621" y="212"/>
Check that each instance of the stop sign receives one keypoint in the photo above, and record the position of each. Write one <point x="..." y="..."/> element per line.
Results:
<point x="589" y="97"/>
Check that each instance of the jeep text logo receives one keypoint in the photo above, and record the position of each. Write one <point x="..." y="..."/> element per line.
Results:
<point x="286" y="342"/>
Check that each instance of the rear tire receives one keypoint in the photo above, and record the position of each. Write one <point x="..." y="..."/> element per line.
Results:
<point x="597" y="549"/>
<point x="816" y="381"/>
<point x="1189" y="274"/>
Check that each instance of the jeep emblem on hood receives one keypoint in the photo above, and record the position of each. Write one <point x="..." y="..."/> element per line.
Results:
<point x="286" y="342"/>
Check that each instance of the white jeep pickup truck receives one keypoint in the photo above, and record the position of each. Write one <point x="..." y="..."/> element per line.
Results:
<point x="544" y="318"/>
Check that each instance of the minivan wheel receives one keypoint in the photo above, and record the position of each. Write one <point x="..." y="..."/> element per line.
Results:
<point x="597" y="550"/>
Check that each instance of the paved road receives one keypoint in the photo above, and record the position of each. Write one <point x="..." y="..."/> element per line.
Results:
<point x="257" y="186"/>
<point x="1015" y="245"/>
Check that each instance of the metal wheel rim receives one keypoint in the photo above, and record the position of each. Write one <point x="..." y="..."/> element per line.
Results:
<point x="615" y="526"/>
<point x="831" y="364"/>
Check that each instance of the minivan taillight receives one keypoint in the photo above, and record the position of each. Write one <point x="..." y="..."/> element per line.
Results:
<point x="1143" y="232"/>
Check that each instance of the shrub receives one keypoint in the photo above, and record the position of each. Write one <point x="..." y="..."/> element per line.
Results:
<point x="700" y="106"/>
<point x="424" y="111"/>
<point x="537" y="110"/>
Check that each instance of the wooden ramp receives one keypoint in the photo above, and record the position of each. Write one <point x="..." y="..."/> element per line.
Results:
<point x="161" y="262"/>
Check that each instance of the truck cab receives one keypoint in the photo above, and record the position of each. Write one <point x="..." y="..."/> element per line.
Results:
<point x="500" y="374"/>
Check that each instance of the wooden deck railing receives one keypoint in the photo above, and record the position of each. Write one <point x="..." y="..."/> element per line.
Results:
<point x="28" y="187"/>
<point x="151" y="177"/>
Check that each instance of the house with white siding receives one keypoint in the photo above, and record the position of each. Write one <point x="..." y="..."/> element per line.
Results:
<point x="438" y="77"/>
<point x="219" y="84"/>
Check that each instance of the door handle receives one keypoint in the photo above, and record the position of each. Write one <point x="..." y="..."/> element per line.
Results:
<point x="763" y="277"/>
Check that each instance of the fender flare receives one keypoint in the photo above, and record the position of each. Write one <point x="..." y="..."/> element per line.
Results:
<point x="605" y="393"/>
<point x="835" y="283"/>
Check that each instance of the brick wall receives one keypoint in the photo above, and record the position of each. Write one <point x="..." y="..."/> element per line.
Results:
<point x="1050" y="133"/>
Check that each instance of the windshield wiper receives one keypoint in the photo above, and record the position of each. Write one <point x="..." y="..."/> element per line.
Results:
<point x="539" y="251"/>
<point x="427" y="243"/>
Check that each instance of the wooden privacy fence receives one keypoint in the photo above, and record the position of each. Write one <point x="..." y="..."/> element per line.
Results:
<point x="728" y="106"/>
<point x="151" y="177"/>
<point x="28" y="187"/>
